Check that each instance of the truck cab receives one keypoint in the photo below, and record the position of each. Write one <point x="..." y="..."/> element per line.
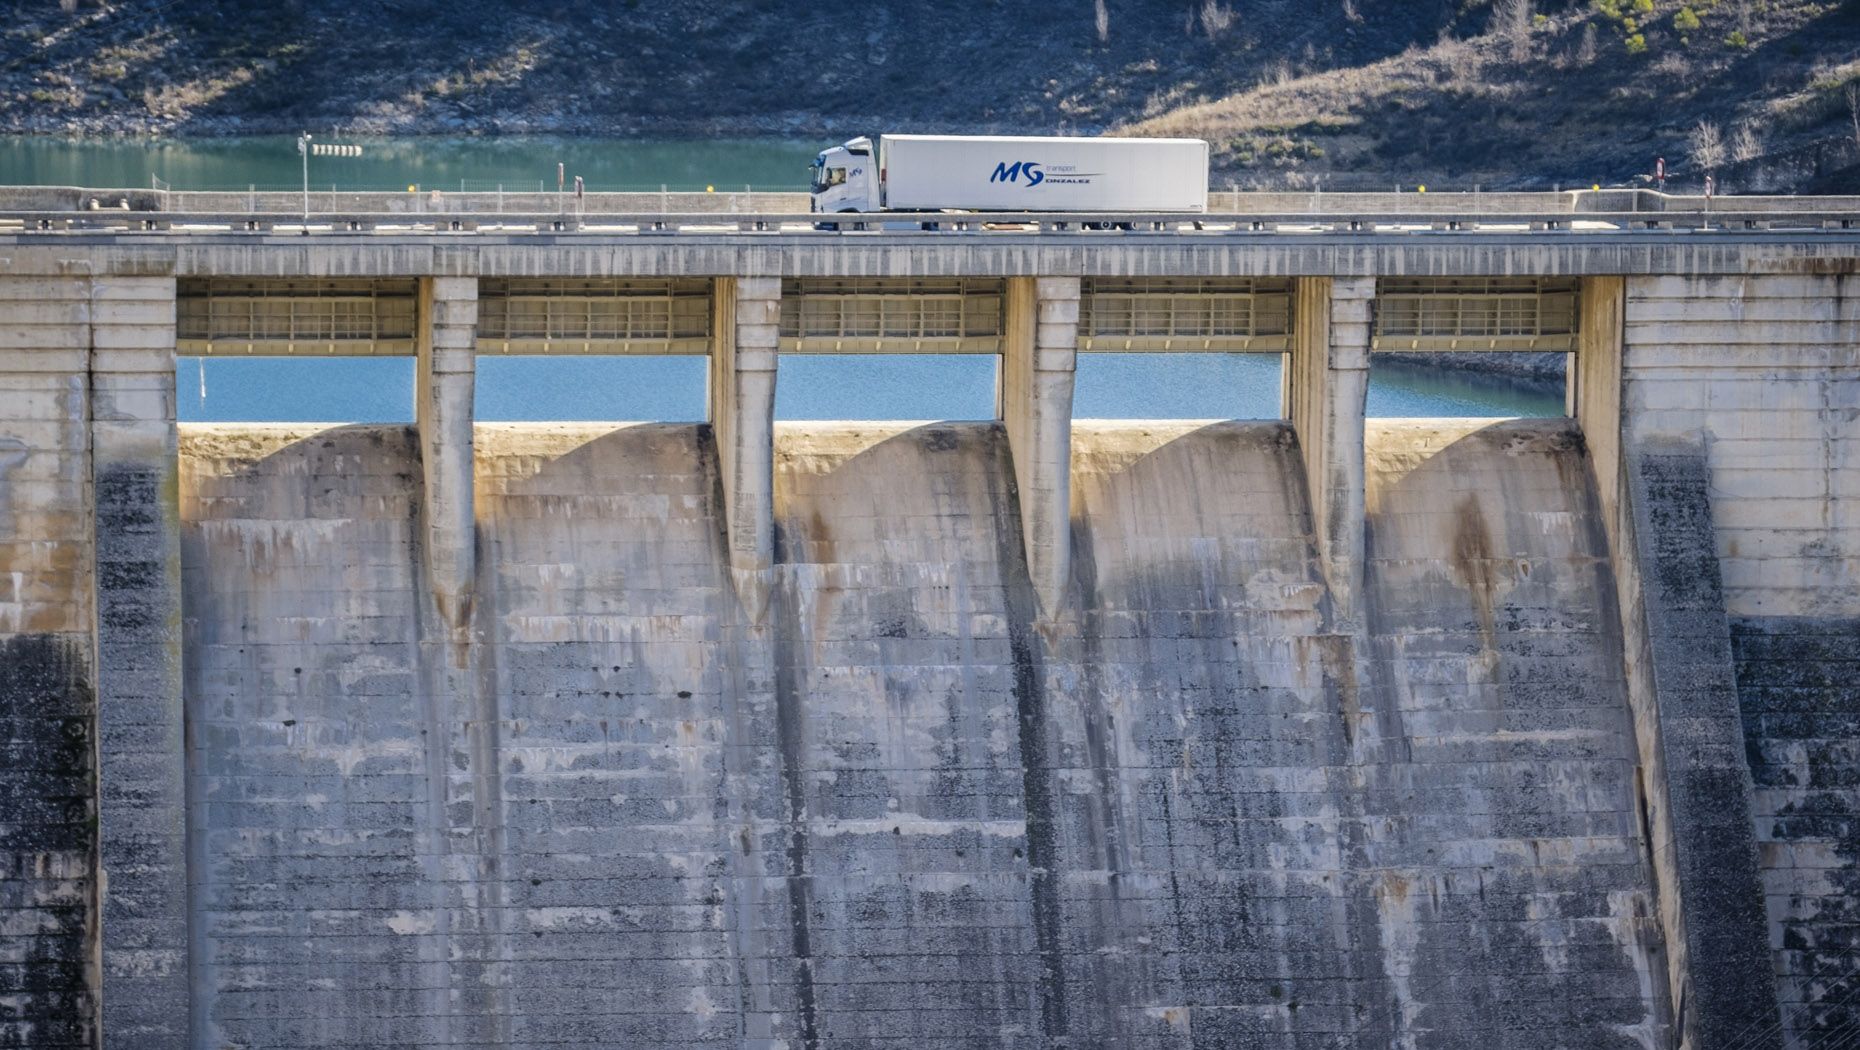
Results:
<point x="846" y="178"/>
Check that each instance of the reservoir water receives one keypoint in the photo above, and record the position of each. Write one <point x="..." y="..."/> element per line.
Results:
<point x="516" y="163"/>
<point x="1110" y="386"/>
<point x="918" y="386"/>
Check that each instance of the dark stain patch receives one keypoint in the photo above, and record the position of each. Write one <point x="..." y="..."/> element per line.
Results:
<point x="940" y="439"/>
<point x="1796" y="685"/>
<point x="47" y="813"/>
<point x="1471" y="560"/>
<point x="790" y="725"/>
<point x="1037" y="778"/>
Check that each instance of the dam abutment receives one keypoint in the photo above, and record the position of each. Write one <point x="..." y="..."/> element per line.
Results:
<point x="1319" y="731"/>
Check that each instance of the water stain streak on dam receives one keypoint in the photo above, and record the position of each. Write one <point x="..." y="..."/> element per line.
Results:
<point x="1316" y="732"/>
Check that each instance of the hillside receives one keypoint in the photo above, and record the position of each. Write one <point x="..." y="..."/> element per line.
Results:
<point x="1349" y="93"/>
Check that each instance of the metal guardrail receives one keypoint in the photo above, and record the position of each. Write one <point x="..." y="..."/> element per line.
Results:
<point x="924" y="223"/>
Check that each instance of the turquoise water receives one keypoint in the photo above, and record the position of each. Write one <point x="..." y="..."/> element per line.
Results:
<point x="1110" y="386"/>
<point x="877" y="386"/>
<point x="516" y="163"/>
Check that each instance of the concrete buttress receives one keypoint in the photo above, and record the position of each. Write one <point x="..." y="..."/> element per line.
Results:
<point x="1327" y="387"/>
<point x="448" y="321"/>
<point x="141" y="783"/>
<point x="746" y="312"/>
<point x="1037" y="373"/>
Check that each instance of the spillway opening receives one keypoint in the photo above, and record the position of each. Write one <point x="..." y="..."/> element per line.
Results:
<point x="289" y="350"/>
<point x="1473" y="347"/>
<point x="890" y="348"/>
<point x="592" y="349"/>
<point x="331" y="389"/>
<point x="885" y="387"/>
<point x="1178" y="386"/>
<point x="1182" y="347"/>
<point x="638" y="388"/>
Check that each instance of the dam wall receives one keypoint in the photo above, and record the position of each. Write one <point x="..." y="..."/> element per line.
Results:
<point x="1311" y="732"/>
<point x="1176" y="817"/>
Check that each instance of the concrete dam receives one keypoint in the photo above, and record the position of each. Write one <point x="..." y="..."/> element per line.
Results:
<point x="1315" y="732"/>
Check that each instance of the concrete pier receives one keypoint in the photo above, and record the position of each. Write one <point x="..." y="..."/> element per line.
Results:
<point x="1037" y="369"/>
<point x="1326" y="387"/>
<point x="1309" y="731"/>
<point x="744" y="334"/>
<point x="447" y="319"/>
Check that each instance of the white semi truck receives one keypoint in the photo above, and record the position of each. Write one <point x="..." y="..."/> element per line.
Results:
<point x="924" y="173"/>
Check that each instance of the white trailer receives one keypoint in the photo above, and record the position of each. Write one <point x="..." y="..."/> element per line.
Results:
<point x="1011" y="173"/>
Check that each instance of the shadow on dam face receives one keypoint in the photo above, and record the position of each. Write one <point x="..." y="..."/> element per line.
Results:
<point x="1194" y="810"/>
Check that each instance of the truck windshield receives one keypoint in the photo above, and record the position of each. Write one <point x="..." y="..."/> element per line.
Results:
<point x="825" y="177"/>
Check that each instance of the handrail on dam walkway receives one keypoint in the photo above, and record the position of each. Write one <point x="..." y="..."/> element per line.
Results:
<point x="928" y="224"/>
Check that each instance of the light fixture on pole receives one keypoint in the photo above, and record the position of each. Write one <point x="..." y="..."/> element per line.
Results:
<point x="305" y="147"/>
<point x="303" y="150"/>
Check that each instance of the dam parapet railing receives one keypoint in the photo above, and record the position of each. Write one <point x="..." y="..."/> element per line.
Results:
<point x="23" y="199"/>
<point x="1725" y="215"/>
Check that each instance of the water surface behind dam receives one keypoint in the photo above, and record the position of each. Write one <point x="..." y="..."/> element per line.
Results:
<point x="822" y="387"/>
<point x="1196" y="810"/>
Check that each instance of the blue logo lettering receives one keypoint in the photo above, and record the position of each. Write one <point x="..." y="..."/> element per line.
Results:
<point x="1005" y="172"/>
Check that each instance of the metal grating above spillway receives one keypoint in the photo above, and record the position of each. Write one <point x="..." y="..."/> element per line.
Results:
<point x="307" y="317"/>
<point x="1476" y="313"/>
<point x="1185" y="314"/>
<point x="594" y="316"/>
<point x="891" y="316"/>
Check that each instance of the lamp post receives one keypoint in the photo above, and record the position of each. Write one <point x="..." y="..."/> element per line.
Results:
<point x="303" y="150"/>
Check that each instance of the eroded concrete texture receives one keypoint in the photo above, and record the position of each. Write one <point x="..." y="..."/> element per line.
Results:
<point x="1512" y="877"/>
<point x="903" y="807"/>
<point x="47" y="822"/>
<point x="1798" y="683"/>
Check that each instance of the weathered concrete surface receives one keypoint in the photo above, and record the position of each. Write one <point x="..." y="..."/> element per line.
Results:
<point x="628" y="840"/>
<point x="1764" y="372"/>
<point x="1747" y="385"/>
<point x="1724" y="253"/>
<point x="919" y="884"/>
<point x="47" y="673"/>
<point x="318" y="845"/>
<point x="623" y="814"/>
<point x="1189" y="742"/>
<point x="444" y="378"/>
<point x="141" y="824"/>
<point x="1038" y="366"/>
<point x="1509" y="861"/>
<point x="1752" y="381"/>
<point x="1652" y="506"/>
<point x="745" y="331"/>
<point x="1326" y="391"/>
<point x="1798" y="684"/>
<point x="807" y="737"/>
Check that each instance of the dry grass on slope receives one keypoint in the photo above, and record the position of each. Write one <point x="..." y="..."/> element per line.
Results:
<point x="1302" y="130"/>
<point x="1575" y="100"/>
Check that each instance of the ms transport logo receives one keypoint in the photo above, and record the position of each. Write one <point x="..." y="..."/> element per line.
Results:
<point x="1037" y="173"/>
